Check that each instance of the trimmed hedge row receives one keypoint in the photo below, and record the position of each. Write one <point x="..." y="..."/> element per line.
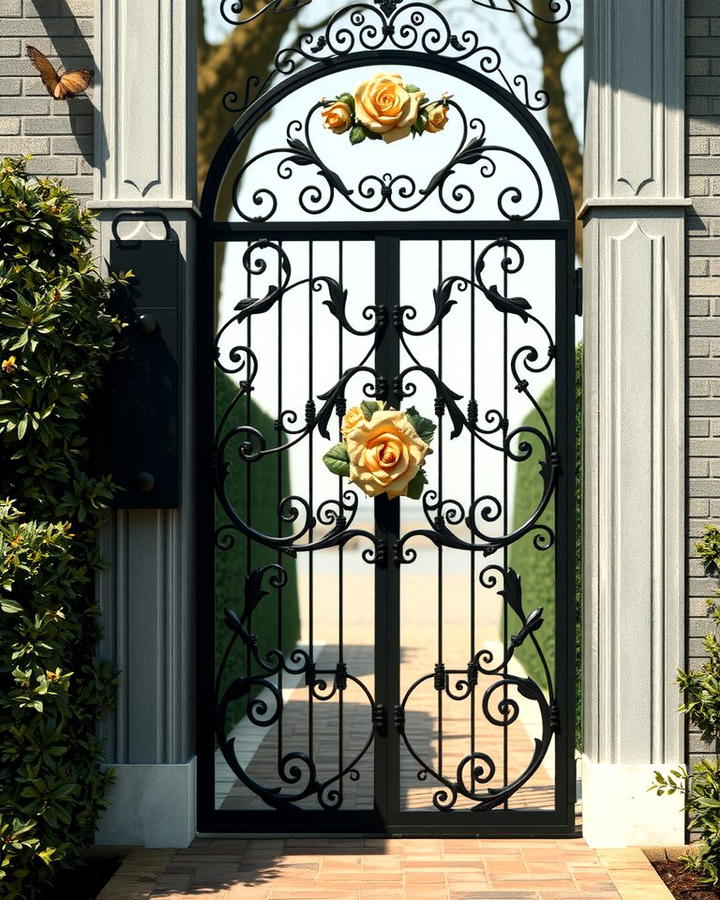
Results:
<point x="537" y="569"/>
<point x="55" y="338"/>
<point x="232" y="565"/>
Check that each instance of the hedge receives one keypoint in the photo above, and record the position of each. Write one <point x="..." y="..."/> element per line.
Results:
<point x="537" y="569"/>
<point x="231" y="565"/>
<point x="55" y="338"/>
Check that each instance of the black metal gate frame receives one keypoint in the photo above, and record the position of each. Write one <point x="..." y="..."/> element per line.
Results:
<point x="385" y="819"/>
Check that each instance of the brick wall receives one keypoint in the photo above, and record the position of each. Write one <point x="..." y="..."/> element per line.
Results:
<point x="703" y="236"/>
<point x="58" y="134"/>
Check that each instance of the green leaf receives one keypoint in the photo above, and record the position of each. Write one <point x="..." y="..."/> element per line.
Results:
<point x="420" y="123"/>
<point x="424" y="427"/>
<point x="337" y="460"/>
<point x="411" y="88"/>
<point x="369" y="407"/>
<point x="415" y="488"/>
<point x="357" y="134"/>
<point x="10" y="606"/>
<point x="347" y="98"/>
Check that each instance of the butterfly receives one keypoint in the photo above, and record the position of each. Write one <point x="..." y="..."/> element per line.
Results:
<point x="61" y="87"/>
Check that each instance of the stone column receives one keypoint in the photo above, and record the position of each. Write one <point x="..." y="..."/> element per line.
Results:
<point x="634" y="491"/>
<point x="145" y="158"/>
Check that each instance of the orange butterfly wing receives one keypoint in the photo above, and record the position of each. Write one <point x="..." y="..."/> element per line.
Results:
<point x="72" y="83"/>
<point x="45" y="68"/>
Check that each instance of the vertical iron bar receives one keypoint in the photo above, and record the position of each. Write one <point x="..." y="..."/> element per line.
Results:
<point x="248" y="479"/>
<point x="311" y="461"/>
<point x="278" y="475"/>
<point x="387" y="530"/>
<point x="472" y="492"/>
<point x="341" y="574"/>
<point x="506" y="431"/>
<point x="440" y="549"/>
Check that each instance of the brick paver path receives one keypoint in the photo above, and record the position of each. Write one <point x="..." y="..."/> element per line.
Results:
<point x="417" y="869"/>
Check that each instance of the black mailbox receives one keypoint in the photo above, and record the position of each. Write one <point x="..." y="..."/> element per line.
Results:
<point x="144" y="379"/>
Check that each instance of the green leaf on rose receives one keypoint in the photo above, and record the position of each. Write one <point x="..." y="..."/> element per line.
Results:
<point x="424" y="427"/>
<point x="337" y="460"/>
<point x="415" y="487"/>
<point x="412" y="88"/>
<point x="357" y="134"/>
<point x="420" y="122"/>
<point x="369" y="407"/>
<point x="347" y="98"/>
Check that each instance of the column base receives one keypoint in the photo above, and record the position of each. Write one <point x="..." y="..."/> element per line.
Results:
<point x="619" y="811"/>
<point x="150" y="805"/>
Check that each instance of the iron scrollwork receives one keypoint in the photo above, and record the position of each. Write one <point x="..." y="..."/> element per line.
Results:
<point x="384" y="24"/>
<point x="297" y="770"/>
<point x="518" y="444"/>
<point x="477" y="769"/>
<point x="400" y="192"/>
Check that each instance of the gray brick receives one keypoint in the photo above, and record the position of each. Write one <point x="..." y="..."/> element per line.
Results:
<point x="704" y="447"/>
<point x="78" y="8"/>
<point x="13" y="146"/>
<point x="9" y="47"/>
<point x="10" y="87"/>
<point x="701" y="407"/>
<point x="10" y="126"/>
<point x="699" y="347"/>
<point x="699" y="428"/>
<point x="82" y="145"/>
<point x="58" y="125"/>
<point x="698" y="267"/>
<point x="702" y="247"/>
<point x="60" y="165"/>
<point x="699" y="387"/>
<point x="702" y="46"/>
<point x="709" y="125"/>
<point x="698" y="146"/>
<point x="697" y="66"/>
<point x="704" y="165"/>
<point x="707" y="206"/>
<point x="698" y="507"/>
<point x="695" y="27"/>
<point x="695" y="8"/>
<point x="10" y="7"/>
<point x="696" y="106"/>
<point x="704" y="287"/>
<point x="63" y="26"/>
<point x="24" y="106"/>
<point x="79" y="184"/>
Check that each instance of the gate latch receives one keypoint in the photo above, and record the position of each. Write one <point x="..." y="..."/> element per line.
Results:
<point x="578" y="291"/>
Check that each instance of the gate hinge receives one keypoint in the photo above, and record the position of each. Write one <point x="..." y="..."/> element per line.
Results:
<point x="379" y="716"/>
<point x="578" y="291"/>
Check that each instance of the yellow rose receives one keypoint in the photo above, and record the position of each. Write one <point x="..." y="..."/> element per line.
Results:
<point x="385" y="106"/>
<point x="436" y="118"/>
<point x="337" y="117"/>
<point x="354" y="416"/>
<point x="385" y="453"/>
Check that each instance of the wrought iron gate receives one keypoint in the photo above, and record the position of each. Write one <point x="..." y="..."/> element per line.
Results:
<point x="361" y="318"/>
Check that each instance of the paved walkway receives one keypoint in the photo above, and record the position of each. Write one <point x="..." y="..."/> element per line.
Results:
<point x="357" y="869"/>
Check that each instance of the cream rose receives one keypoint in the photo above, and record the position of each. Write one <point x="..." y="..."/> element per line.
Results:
<point x="354" y="416"/>
<point x="385" y="453"/>
<point x="338" y="117"/>
<point x="385" y="106"/>
<point x="436" y="118"/>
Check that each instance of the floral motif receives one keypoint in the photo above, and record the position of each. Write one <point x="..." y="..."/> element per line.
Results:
<point x="383" y="450"/>
<point x="384" y="107"/>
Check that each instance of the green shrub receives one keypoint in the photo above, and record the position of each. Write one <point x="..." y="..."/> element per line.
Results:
<point x="55" y="338"/>
<point x="701" y="704"/>
<point x="231" y="566"/>
<point x="537" y="569"/>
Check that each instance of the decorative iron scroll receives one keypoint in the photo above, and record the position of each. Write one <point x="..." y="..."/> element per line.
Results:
<point x="400" y="192"/>
<point x="392" y="24"/>
<point x="248" y="444"/>
<point x="558" y="10"/>
<point x="297" y="770"/>
<point x="478" y="768"/>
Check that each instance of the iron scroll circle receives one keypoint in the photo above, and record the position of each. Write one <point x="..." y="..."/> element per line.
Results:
<point x="264" y="104"/>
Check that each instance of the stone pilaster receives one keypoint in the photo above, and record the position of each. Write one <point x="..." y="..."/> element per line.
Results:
<point x="145" y="158"/>
<point x="634" y="418"/>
